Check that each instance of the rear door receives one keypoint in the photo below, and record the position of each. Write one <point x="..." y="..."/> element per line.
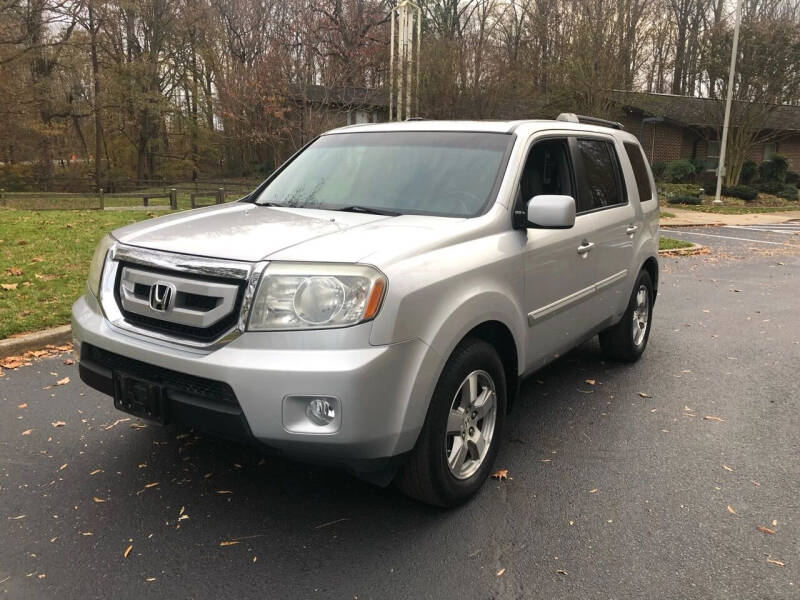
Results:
<point x="616" y="220"/>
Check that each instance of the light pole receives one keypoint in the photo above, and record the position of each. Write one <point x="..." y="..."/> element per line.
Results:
<point x="406" y="27"/>
<point x="726" y="120"/>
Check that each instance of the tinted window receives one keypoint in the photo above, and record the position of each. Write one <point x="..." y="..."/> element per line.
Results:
<point x="547" y="170"/>
<point x="639" y="171"/>
<point x="437" y="173"/>
<point x="600" y="175"/>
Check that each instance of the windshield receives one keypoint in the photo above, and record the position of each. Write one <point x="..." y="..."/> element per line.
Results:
<point x="435" y="173"/>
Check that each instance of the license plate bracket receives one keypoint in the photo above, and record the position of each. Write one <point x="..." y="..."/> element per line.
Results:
<point x="140" y="397"/>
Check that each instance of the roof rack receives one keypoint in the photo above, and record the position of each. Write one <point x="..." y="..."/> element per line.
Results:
<point x="573" y="118"/>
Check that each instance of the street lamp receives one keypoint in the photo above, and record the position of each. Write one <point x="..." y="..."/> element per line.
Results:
<point x="727" y="118"/>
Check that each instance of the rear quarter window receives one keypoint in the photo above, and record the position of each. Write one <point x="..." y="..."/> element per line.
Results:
<point x="636" y="157"/>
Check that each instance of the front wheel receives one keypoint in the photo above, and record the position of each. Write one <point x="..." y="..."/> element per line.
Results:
<point x="626" y="340"/>
<point x="461" y="435"/>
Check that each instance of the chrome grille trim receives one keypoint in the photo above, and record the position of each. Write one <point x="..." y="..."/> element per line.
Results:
<point x="178" y="264"/>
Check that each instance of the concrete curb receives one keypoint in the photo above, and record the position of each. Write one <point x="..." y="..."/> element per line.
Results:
<point x="693" y="249"/>
<point x="666" y="223"/>
<point x="35" y="341"/>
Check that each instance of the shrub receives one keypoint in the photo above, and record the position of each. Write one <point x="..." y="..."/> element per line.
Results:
<point x="745" y="192"/>
<point x="749" y="172"/>
<point x="693" y="200"/>
<point x="789" y="192"/>
<point x="774" y="170"/>
<point x="708" y="181"/>
<point x="792" y="177"/>
<point x="680" y="189"/>
<point x="679" y="171"/>
<point x="770" y="187"/>
<point x="699" y="165"/>
<point x="658" y="168"/>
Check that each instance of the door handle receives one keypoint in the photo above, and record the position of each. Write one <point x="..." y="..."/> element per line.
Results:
<point x="631" y="229"/>
<point x="585" y="248"/>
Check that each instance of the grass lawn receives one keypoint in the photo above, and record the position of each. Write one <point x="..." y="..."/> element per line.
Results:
<point x="44" y="259"/>
<point x="670" y="244"/>
<point x="666" y="215"/>
<point x="738" y="209"/>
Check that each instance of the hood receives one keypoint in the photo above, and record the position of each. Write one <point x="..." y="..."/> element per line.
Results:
<point x="243" y="231"/>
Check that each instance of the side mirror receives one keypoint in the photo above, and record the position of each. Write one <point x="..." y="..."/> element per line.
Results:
<point x="551" y="212"/>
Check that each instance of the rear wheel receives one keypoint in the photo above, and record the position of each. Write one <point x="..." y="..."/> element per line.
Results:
<point x="626" y="340"/>
<point x="459" y="440"/>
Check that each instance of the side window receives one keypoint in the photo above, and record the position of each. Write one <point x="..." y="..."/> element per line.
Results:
<point x="634" y="153"/>
<point x="601" y="175"/>
<point x="547" y="170"/>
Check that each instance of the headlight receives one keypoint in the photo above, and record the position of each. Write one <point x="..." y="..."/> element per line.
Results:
<point x="316" y="296"/>
<point x="96" y="268"/>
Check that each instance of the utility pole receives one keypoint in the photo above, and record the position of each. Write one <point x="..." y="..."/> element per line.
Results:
<point x="726" y="120"/>
<point x="406" y="26"/>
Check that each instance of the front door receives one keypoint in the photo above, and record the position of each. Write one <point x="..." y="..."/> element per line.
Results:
<point x="558" y="264"/>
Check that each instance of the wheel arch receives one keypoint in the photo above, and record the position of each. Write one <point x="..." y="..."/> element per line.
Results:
<point x="651" y="266"/>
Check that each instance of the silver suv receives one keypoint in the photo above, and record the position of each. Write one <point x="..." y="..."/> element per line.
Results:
<point x="375" y="302"/>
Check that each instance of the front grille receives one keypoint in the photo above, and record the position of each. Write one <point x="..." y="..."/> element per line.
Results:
<point x="200" y="387"/>
<point x="183" y="300"/>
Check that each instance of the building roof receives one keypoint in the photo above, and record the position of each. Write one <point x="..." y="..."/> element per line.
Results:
<point x="699" y="112"/>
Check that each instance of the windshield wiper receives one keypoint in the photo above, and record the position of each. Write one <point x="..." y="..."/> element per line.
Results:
<point x="368" y="210"/>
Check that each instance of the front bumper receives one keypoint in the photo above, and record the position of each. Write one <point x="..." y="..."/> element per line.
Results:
<point x="383" y="390"/>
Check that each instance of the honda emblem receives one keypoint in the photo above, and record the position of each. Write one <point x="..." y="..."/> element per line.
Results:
<point x="162" y="295"/>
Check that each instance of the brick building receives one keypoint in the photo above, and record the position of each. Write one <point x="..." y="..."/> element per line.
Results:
<point x="670" y="127"/>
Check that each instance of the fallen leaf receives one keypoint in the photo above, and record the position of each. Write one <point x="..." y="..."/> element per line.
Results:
<point x="138" y="426"/>
<point x="594" y="491"/>
<point x="127" y="551"/>
<point x="229" y="543"/>
<point x="86" y="533"/>
<point x="14" y="271"/>
<point x="23" y="405"/>
<point x="774" y="522"/>
<point x="500" y="474"/>
<point x="9" y="286"/>
<point x="117" y="422"/>
<point x="590" y="381"/>
<point x="96" y="471"/>
<point x="730" y="510"/>
<point x="27" y="432"/>
<point x="99" y="500"/>
<point x="763" y="529"/>
<point x="58" y="423"/>
<point x="712" y="418"/>
<point x="224" y="492"/>
<point x="727" y="468"/>
<point x="64" y="381"/>
<point x="183" y="517"/>
<point x="69" y="361"/>
<point x="149" y="485"/>
<point x="645" y="395"/>
<point x="150" y="579"/>
<point x="62" y="467"/>
<point x="561" y="571"/>
<point x="774" y="561"/>
<point x="255" y="558"/>
<point x="501" y="571"/>
<point x="17" y="518"/>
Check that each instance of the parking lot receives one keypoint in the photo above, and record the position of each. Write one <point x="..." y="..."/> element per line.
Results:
<point x="624" y="481"/>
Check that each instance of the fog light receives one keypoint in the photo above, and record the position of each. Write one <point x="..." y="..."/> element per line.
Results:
<point x="312" y="414"/>
<point x="320" y="411"/>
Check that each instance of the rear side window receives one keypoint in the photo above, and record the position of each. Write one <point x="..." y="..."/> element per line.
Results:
<point x="601" y="177"/>
<point x="639" y="171"/>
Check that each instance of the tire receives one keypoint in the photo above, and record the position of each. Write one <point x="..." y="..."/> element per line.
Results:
<point x="426" y="475"/>
<point x="626" y="340"/>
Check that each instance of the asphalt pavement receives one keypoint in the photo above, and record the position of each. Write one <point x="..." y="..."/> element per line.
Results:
<point x="624" y="481"/>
